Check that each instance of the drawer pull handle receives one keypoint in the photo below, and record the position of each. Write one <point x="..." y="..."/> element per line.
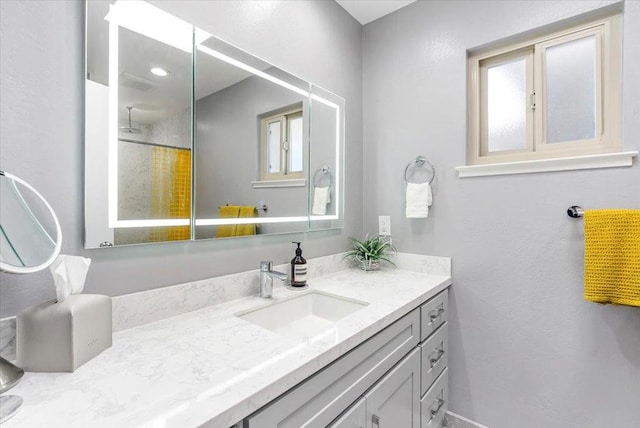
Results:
<point x="436" y="313"/>
<point x="435" y="411"/>
<point x="375" y="420"/>
<point x="435" y="360"/>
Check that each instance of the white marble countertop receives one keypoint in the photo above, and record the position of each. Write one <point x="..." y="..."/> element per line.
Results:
<point x="209" y="366"/>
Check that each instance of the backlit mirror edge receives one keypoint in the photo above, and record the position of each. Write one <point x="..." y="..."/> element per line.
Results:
<point x="335" y="221"/>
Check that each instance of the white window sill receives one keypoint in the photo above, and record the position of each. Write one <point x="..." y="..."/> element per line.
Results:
<point x="607" y="160"/>
<point x="298" y="182"/>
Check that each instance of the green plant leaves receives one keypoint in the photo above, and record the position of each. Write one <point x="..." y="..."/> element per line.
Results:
<point x="374" y="248"/>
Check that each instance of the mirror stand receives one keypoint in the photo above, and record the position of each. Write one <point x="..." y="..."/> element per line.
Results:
<point x="10" y="375"/>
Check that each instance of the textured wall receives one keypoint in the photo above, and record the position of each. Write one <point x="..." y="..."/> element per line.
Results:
<point x="526" y="350"/>
<point x="41" y="83"/>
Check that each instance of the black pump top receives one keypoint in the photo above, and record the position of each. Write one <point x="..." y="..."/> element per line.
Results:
<point x="298" y="250"/>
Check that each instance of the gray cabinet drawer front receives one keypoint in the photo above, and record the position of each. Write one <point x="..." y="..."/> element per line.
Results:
<point x="354" y="417"/>
<point x="317" y="401"/>
<point x="435" y="354"/>
<point x="433" y="314"/>
<point x="435" y="402"/>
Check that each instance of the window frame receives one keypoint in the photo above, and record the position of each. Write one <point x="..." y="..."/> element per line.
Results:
<point x="283" y="116"/>
<point x="608" y="66"/>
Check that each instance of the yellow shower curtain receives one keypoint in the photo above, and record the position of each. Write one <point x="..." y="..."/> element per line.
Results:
<point x="171" y="191"/>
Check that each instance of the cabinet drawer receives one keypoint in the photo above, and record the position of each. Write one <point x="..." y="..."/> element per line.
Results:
<point x="354" y="417"/>
<point x="433" y="405"/>
<point x="433" y="314"/>
<point x="317" y="401"/>
<point x="435" y="354"/>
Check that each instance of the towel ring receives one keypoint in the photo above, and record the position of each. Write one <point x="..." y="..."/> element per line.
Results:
<point x="420" y="161"/>
<point x="321" y="173"/>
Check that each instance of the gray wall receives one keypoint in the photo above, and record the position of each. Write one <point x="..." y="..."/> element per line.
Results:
<point x="41" y="79"/>
<point x="526" y="350"/>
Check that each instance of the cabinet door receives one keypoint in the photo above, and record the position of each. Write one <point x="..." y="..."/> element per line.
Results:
<point x="354" y="417"/>
<point x="394" y="402"/>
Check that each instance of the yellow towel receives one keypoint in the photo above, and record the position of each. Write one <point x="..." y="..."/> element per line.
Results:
<point x="236" y="211"/>
<point x="227" y="230"/>
<point x="612" y="256"/>
<point x="247" y="229"/>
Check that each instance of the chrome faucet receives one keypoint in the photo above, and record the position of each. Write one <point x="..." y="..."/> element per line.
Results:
<point x="266" y="279"/>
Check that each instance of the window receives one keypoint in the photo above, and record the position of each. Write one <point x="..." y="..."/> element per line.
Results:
<point x="555" y="96"/>
<point x="282" y="146"/>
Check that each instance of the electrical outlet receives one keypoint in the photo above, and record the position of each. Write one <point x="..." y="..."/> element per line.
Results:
<point x="384" y="225"/>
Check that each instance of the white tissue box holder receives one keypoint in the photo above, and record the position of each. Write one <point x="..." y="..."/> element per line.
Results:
<point x="60" y="337"/>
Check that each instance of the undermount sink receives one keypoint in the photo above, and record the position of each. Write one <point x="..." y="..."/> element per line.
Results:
<point x="303" y="316"/>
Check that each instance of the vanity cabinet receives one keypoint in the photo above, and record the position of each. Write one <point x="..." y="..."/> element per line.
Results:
<point x="395" y="379"/>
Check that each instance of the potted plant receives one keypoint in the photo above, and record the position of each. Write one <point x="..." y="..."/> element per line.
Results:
<point x="370" y="251"/>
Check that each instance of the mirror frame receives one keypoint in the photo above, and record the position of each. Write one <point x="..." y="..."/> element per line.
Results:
<point x="31" y="269"/>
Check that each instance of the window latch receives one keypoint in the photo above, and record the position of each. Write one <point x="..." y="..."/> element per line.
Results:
<point x="532" y="99"/>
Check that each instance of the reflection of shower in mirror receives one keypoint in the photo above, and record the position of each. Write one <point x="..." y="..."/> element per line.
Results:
<point x="129" y="129"/>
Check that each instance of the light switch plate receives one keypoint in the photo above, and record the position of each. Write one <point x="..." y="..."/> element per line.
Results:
<point x="384" y="225"/>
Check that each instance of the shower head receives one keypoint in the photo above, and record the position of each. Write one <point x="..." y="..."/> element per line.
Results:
<point x="129" y="129"/>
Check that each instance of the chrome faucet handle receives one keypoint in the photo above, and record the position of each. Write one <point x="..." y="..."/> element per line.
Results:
<point x="266" y="266"/>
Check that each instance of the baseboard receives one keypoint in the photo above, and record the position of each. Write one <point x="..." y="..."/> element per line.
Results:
<point x="453" y="420"/>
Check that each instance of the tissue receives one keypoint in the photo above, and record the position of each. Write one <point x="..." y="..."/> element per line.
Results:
<point x="69" y="274"/>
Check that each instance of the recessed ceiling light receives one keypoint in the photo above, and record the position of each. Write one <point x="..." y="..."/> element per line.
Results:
<point x="159" y="71"/>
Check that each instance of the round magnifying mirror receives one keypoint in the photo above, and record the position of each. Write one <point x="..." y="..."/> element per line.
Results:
<point x="30" y="240"/>
<point x="30" y="235"/>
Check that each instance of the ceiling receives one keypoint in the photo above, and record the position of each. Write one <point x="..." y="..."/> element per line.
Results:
<point x="366" y="11"/>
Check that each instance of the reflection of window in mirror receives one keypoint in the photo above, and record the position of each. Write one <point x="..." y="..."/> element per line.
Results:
<point x="281" y="148"/>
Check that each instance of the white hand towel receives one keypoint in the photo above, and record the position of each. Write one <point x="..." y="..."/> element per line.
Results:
<point x="69" y="273"/>
<point x="320" y="200"/>
<point x="419" y="200"/>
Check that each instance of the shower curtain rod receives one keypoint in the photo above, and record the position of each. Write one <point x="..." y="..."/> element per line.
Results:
<point x="126" y="140"/>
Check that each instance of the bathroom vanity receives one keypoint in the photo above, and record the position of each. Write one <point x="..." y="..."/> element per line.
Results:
<point x="397" y="378"/>
<point x="379" y="360"/>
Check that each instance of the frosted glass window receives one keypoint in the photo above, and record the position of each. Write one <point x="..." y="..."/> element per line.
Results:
<point x="506" y="106"/>
<point x="556" y="95"/>
<point x="571" y="90"/>
<point x="273" y="147"/>
<point x="295" y="144"/>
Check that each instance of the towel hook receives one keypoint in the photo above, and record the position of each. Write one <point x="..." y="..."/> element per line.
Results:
<point x="420" y="161"/>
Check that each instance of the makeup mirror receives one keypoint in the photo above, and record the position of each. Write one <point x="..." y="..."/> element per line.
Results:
<point x="30" y="240"/>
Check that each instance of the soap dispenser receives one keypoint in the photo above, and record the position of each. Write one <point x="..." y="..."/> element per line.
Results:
<point x="298" y="269"/>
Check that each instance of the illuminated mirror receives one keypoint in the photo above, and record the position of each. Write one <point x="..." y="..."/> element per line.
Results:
<point x="211" y="142"/>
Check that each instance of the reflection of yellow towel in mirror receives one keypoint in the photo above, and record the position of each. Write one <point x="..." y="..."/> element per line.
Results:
<point x="227" y="230"/>
<point x="247" y="229"/>
<point x="235" y="211"/>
